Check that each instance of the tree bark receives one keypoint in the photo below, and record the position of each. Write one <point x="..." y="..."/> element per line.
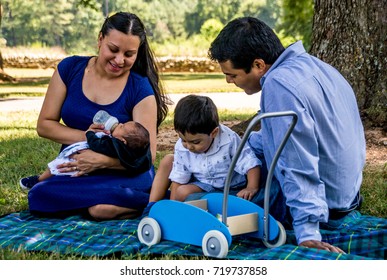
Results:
<point x="3" y="76"/>
<point x="351" y="36"/>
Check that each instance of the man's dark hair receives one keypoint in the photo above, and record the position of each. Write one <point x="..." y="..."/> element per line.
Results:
<point x="243" y="40"/>
<point x="196" y="114"/>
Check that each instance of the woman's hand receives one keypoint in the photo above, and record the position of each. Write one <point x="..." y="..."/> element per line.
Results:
<point x="87" y="161"/>
<point x="98" y="128"/>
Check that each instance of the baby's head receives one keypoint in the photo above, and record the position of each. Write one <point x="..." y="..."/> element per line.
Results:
<point x="133" y="134"/>
<point x="196" y="121"/>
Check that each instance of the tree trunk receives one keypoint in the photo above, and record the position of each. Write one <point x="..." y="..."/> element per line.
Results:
<point x="351" y="36"/>
<point x="3" y="76"/>
<point x="1" y="62"/>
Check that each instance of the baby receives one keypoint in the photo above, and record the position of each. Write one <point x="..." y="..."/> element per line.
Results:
<point x="129" y="142"/>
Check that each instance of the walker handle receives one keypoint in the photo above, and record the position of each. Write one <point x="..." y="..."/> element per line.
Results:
<point x="249" y="128"/>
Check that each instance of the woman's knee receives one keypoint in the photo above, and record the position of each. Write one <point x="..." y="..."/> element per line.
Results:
<point x="103" y="212"/>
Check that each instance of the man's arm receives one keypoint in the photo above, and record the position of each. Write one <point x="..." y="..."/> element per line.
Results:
<point x="297" y="169"/>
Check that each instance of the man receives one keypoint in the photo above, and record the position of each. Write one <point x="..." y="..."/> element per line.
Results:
<point x="320" y="169"/>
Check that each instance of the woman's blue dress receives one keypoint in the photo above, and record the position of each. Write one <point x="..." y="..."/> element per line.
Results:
<point x="65" y="193"/>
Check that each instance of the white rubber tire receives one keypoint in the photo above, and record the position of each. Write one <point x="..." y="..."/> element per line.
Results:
<point x="214" y="244"/>
<point x="281" y="240"/>
<point x="148" y="231"/>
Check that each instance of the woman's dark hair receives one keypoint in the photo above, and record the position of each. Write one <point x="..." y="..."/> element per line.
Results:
<point x="145" y="63"/>
<point x="244" y="39"/>
<point x="196" y="114"/>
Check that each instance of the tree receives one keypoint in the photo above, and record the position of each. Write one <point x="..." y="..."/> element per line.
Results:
<point x="210" y="29"/>
<point x="351" y="36"/>
<point x="48" y="23"/>
<point x="266" y="10"/>
<point x="3" y="76"/>
<point x="222" y="10"/>
<point x="296" y="20"/>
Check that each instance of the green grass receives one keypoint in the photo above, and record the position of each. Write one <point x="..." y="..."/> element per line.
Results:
<point x="196" y="83"/>
<point x="374" y="190"/>
<point x="34" y="82"/>
<point x="23" y="153"/>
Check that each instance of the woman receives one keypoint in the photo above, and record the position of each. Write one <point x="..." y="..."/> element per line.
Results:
<point x="122" y="80"/>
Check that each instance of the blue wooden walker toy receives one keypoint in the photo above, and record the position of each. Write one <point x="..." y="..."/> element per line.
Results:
<point x="212" y="221"/>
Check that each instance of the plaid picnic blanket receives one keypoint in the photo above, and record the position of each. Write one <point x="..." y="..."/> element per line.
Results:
<point x="363" y="237"/>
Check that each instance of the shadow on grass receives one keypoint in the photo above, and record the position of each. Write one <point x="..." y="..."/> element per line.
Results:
<point x="12" y="96"/>
<point x="30" y="81"/>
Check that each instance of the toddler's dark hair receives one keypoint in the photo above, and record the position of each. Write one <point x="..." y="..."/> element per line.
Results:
<point x="196" y="114"/>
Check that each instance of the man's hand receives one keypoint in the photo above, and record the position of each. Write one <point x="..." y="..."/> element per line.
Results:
<point x="321" y="245"/>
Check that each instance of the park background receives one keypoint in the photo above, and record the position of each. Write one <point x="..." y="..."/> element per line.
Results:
<point x="36" y="35"/>
<point x="350" y="35"/>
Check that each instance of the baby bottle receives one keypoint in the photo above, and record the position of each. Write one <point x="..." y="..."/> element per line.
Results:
<point x="103" y="117"/>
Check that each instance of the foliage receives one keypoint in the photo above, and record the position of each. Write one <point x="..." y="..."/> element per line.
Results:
<point x="296" y="20"/>
<point x="88" y="3"/>
<point x="210" y="29"/>
<point x="50" y="23"/>
<point x="193" y="46"/>
<point x="74" y="24"/>
<point x="266" y="10"/>
<point x="222" y="10"/>
<point x="286" y="40"/>
<point x="163" y="19"/>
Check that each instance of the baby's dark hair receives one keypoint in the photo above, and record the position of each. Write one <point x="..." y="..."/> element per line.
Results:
<point x="196" y="114"/>
<point x="138" y="137"/>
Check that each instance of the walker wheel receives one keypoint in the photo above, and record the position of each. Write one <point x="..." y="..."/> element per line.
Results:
<point x="214" y="244"/>
<point x="149" y="231"/>
<point x="281" y="239"/>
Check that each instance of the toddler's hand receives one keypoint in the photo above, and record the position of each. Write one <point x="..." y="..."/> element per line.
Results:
<point x="247" y="193"/>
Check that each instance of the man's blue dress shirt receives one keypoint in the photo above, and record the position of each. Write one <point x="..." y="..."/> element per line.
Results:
<point x="321" y="165"/>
